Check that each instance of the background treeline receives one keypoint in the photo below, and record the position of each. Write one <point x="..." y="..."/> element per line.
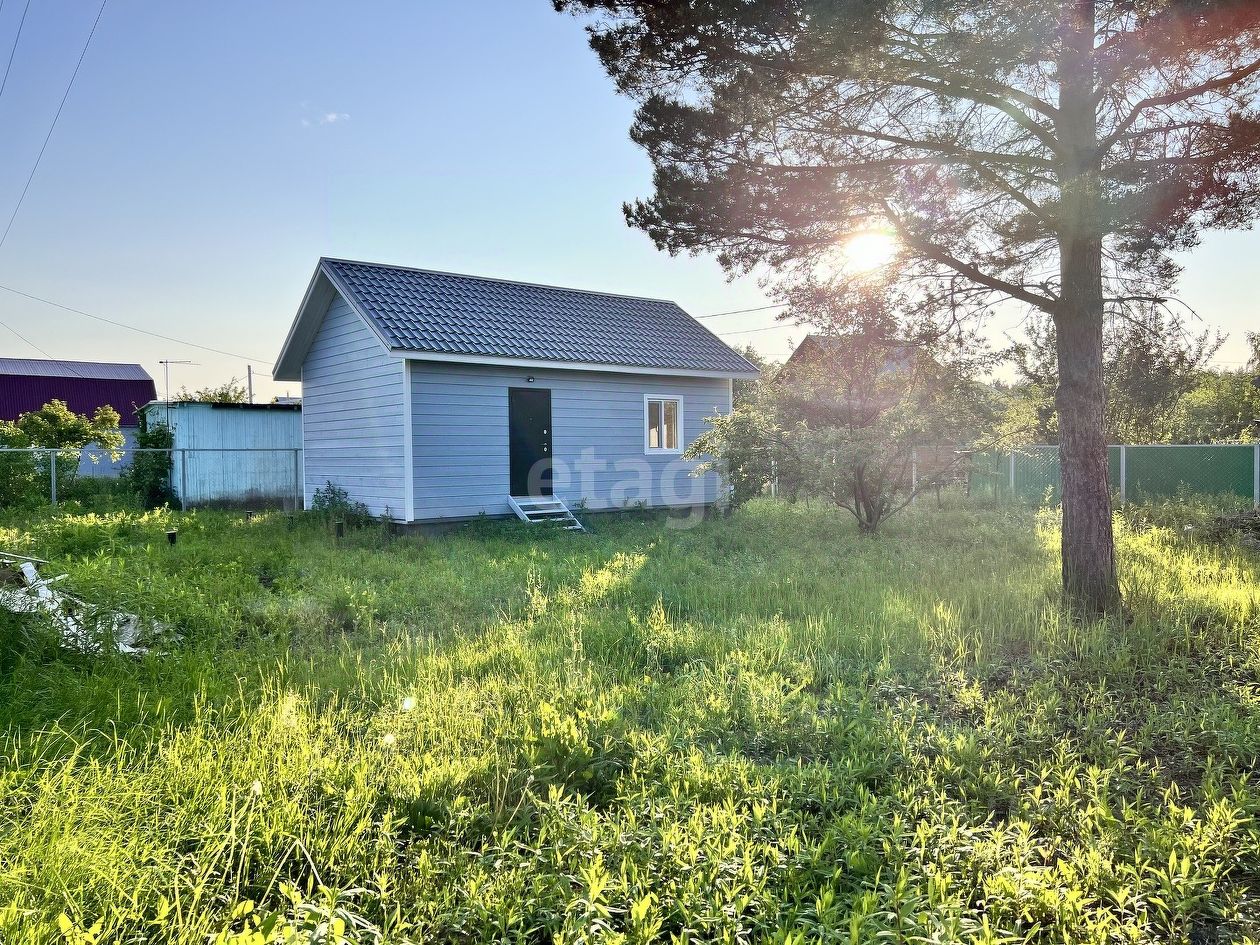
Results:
<point x="1161" y="386"/>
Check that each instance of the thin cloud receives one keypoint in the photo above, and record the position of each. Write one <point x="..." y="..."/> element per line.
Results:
<point x="326" y="118"/>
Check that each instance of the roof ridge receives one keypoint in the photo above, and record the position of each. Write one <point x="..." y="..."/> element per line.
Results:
<point x="503" y="281"/>
<point x="73" y="361"/>
<point x="68" y="367"/>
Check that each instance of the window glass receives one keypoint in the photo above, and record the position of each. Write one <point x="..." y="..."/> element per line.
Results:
<point x="654" y="424"/>
<point x="671" y="424"/>
<point x="663" y="424"/>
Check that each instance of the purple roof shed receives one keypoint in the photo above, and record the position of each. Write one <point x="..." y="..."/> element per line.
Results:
<point x="29" y="383"/>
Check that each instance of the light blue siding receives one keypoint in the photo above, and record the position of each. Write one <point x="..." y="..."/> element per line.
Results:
<point x="352" y="414"/>
<point x="98" y="463"/>
<point x="460" y="438"/>
<point x="237" y="454"/>
<point x="265" y="477"/>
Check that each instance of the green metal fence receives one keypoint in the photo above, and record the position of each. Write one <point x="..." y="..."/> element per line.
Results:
<point x="1138" y="473"/>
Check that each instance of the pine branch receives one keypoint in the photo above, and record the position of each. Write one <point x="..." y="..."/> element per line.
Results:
<point x="1176" y="97"/>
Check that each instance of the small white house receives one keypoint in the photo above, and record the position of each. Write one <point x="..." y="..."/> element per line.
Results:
<point x="236" y="454"/>
<point x="431" y="396"/>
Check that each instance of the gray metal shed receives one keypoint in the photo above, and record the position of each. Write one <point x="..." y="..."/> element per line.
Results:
<point x="233" y="453"/>
<point x="431" y="395"/>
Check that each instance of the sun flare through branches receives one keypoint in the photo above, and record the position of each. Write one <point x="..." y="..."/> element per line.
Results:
<point x="868" y="250"/>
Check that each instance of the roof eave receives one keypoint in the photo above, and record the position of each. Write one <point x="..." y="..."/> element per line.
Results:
<point x="324" y="284"/>
<point x="543" y="364"/>
<point x="288" y="366"/>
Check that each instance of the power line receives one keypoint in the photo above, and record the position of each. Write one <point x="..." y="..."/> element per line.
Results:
<point x="48" y="136"/>
<point x="745" y="331"/>
<point x="741" y="311"/>
<point x="21" y="337"/>
<point x="16" y="40"/>
<point x="142" y="331"/>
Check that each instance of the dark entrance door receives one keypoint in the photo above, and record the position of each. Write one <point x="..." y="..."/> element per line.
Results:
<point x="529" y="440"/>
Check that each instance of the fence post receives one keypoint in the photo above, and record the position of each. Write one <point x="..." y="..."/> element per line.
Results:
<point x="1124" y="475"/>
<point x="183" y="480"/>
<point x="914" y="475"/>
<point x="1012" y="474"/>
<point x="52" y="475"/>
<point x="297" y="481"/>
<point x="1255" y="476"/>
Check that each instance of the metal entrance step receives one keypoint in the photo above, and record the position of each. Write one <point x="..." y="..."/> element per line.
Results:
<point x="544" y="508"/>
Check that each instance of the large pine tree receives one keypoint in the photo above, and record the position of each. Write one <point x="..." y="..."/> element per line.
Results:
<point x="1051" y="153"/>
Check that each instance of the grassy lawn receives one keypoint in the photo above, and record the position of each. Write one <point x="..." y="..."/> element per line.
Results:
<point x="763" y="728"/>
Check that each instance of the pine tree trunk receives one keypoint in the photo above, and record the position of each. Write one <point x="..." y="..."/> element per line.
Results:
<point x="1088" y="547"/>
<point x="1089" y="564"/>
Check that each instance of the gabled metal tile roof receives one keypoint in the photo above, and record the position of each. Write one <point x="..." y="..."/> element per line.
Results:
<point x="438" y="312"/>
<point x="99" y="370"/>
<point x="28" y="383"/>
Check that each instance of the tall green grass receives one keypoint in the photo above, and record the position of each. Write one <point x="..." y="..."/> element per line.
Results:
<point x="762" y="728"/>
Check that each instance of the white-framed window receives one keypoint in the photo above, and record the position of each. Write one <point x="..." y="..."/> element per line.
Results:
<point x="662" y="423"/>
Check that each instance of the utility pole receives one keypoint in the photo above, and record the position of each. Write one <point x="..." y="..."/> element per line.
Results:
<point x="166" y="380"/>
<point x="249" y="380"/>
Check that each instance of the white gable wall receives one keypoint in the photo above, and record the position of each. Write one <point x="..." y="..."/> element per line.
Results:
<point x="353" y="414"/>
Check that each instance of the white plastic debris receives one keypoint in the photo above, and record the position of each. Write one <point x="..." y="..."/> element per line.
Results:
<point x="82" y="625"/>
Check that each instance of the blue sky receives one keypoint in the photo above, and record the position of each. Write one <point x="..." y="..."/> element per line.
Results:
<point x="210" y="153"/>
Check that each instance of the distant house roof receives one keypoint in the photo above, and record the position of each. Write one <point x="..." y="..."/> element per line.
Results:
<point x="27" y="384"/>
<point x="816" y="347"/>
<point x="471" y="318"/>
<point x="99" y="370"/>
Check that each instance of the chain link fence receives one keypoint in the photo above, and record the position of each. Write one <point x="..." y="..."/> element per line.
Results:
<point x="218" y="477"/>
<point x="272" y="477"/>
<point x="1139" y="473"/>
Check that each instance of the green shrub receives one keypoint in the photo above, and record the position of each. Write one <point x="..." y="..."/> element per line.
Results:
<point x="331" y="501"/>
<point x="149" y="474"/>
<point x="58" y="435"/>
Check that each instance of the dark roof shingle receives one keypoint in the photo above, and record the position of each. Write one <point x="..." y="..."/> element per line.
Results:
<point x="425" y="311"/>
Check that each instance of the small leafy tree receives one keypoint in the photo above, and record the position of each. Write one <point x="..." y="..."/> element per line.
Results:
<point x="53" y="426"/>
<point x="846" y="427"/>
<point x="749" y="462"/>
<point x="231" y="391"/>
<point x="745" y="446"/>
